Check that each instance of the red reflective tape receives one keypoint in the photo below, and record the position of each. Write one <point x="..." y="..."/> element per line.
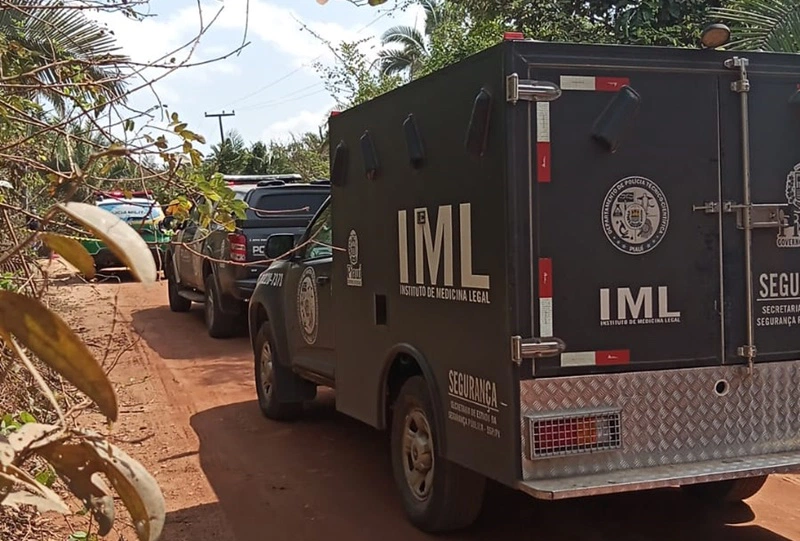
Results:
<point x="545" y="278"/>
<point x="607" y="358"/>
<point x="610" y="84"/>
<point x="543" y="162"/>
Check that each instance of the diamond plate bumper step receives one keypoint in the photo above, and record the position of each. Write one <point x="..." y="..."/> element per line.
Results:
<point x="661" y="476"/>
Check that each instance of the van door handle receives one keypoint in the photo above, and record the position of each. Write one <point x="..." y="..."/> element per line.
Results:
<point x="322" y="279"/>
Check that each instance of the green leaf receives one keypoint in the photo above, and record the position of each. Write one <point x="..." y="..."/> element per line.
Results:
<point x="136" y="487"/>
<point x="71" y="250"/>
<point x="26" y="417"/>
<point x="54" y="342"/>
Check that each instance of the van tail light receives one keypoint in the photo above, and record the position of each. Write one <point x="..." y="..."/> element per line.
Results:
<point x="570" y="433"/>
<point x="238" y="244"/>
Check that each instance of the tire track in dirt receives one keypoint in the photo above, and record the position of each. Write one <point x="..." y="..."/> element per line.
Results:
<point x="228" y="473"/>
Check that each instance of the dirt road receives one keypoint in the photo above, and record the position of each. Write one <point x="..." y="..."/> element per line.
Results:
<point x="189" y="413"/>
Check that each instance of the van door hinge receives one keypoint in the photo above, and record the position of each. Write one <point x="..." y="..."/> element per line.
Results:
<point x="534" y="348"/>
<point x="516" y="350"/>
<point x="529" y="90"/>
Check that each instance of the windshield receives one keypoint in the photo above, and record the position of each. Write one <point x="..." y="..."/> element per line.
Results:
<point x="128" y="211"/>
<point x="274" y="204"/>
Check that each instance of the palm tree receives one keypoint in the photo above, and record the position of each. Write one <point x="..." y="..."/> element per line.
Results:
<point x="405" y="48"/>
<point x="230" y="157"/>
<point x="762" y="25"/>
<point x="56" y="45"/>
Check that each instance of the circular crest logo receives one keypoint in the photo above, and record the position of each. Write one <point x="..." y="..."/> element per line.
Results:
<point x="635" y="215"/>
<point x="352" y="247"/>
<point x="793" y="187"/>
<point x="307" y="306"/>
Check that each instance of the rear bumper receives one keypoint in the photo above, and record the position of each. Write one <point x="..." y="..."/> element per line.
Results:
<point x="674" y="428"/>
<point x="673" y="475"/>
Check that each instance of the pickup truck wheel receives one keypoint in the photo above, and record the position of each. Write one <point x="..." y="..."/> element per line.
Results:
<point x="218" y="325"/>
<point x="268" y="376"/>
<point x="438" y="495"/>
<point x="176" y="302"/>
<point x="733" y="490"/>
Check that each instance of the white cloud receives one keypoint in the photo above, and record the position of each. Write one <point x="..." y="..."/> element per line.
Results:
<point x="277" y="40"/>
<point x="300" y="123"/>
<point x="282" y="29"/>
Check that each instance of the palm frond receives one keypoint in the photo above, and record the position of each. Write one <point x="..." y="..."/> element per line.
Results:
<point x="405" y="36"/>
<point x="394" y="61"/>
<point x="52" y="36"/>
<point x="762" y="25"/>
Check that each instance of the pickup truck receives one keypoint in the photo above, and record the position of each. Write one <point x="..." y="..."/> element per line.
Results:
<point x="219" y="268"/>
<point x="143" y="213"/>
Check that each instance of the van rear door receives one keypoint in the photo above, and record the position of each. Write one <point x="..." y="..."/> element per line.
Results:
<point x="626" y="269"/>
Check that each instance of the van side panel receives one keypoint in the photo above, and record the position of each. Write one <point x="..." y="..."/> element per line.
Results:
<point x="424" y="260"/>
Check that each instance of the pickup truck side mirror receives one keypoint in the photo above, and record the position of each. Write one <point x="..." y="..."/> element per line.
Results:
<point x="279" y="244"/>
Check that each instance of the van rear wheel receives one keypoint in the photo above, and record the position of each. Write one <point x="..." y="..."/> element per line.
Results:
<point x="438" y="495"/>
<point x="733" y="490"/>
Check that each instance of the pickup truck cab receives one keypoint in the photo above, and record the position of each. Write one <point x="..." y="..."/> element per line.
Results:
<point x="219" y="268"/>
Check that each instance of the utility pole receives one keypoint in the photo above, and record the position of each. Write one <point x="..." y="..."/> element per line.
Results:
<point x="219" y="117"/>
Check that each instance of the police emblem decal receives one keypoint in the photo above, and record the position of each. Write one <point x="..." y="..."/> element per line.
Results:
<point x="307" y="306"/>
<point x="635" y="215"/>
<point x="789" y="232"/>
<point x="353" y="266"/>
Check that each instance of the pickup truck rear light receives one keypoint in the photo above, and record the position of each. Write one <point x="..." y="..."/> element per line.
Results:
<point x="238" y="244"/>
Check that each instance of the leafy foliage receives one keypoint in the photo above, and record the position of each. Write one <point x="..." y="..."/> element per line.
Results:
<point x="354" y="79"/>
<point x="459" y="35"/>
<point x="59" y="50"/>
<point x="763" y="25"/>
<point x="306" y="155"/>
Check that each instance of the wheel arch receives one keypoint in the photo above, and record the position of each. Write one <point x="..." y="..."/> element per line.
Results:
<point x="402" y="362"/>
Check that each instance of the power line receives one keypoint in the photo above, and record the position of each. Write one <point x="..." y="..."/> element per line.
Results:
<point x="283" y="100"/>
<point x="219" y="117"/>
<point x="300" y="68"/>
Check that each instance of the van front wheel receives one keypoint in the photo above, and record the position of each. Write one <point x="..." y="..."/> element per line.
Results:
<point x="437" y="494"/>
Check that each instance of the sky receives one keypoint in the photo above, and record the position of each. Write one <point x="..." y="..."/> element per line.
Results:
<point x="271" y="85"/>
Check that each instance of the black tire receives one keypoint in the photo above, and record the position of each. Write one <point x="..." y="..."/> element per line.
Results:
<point x="448" y="496"/>
<point x="269" y="375"/>
<point x="219" y="325"/>
<point x="722" y="492"/>
<point x="176" y="302"/>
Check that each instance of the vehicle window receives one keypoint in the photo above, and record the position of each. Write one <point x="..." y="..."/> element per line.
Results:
<point x="273" y="204"/>
<point x="321" y="232"/>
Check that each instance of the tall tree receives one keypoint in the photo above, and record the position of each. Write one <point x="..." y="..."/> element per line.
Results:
<point x="230" y="157"/>
<point x="63" y="50"/>
<point x="405" y="48"/>
<point x="458" y="36"/>
<point x="354" y="79"/>
<point x="641" y="22"/>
